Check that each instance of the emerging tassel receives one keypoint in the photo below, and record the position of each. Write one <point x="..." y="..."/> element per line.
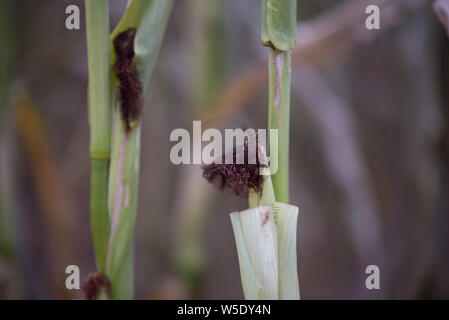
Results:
<point x="130" y="85"/>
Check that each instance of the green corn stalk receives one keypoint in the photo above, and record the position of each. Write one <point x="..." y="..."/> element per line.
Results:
<point x="265" y="234"/>
<point x="278" y="31"/>
<point x="150" y="19"/>
<point x="97" y="26"/>
<point x="114" y="213"/>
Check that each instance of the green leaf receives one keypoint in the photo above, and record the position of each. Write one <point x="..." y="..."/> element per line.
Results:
<point x="130" y="19"/>
<point x="149" y="38"/>
<point x="280" y="23"/>
<point x="123" y="190"/>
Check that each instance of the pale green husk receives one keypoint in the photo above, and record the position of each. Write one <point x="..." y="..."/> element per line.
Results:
<point x="266" y="245"/>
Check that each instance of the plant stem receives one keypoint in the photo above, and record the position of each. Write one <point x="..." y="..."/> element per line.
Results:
<point x="97" y="27"/>
<point x="278" y="31"/>
<point x="279" y="117"/>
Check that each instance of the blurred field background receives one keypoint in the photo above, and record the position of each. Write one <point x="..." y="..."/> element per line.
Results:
<point x="369" y="149"/>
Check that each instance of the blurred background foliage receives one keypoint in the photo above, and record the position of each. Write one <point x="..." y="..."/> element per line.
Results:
<point x="369" y="149"/>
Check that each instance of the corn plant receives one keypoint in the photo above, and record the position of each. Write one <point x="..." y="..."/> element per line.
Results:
<point x="120" y="69"/>
<point x="265" y="234"/>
